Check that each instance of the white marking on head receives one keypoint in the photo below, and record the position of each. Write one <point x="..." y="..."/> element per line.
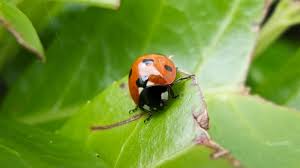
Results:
<point x="149" y="83"/>
<point x="144" y="78"/>
<point x="140" y="90"/>
<point x="146" y="70"/>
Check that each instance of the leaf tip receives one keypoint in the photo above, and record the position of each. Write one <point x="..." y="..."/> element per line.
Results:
<point x="218" y="151"/>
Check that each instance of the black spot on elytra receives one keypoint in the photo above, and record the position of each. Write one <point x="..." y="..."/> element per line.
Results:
<point x="148" y="61"/>
<point x="168" y="68"/>
<point x="130" y="72"/>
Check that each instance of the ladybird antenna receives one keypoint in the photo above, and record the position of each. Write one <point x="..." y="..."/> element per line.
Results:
<point x="117" y="124"/>
<point x="183" y="72"/>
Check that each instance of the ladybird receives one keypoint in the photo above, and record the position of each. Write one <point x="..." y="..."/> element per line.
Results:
<point x="150" y="77"/>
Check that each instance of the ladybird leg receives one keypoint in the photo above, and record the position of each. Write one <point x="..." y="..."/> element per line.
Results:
<point x="162" y="104"/>
<point x="171" y="93"/>
<point x="148" y="118"/>
<point x="133" y="110"/>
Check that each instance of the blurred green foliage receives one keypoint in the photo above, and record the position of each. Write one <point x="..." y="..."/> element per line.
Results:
<point x="47" y="109"/>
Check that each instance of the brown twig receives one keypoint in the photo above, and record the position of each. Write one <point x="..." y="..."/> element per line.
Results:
<point x="104" y="127"/>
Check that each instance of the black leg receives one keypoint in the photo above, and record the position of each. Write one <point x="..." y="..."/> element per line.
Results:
<point x="133" y="110"/>
<point x="162" y="104"/>
<point x="148" y="118"/>
<point x="171" y="93"/>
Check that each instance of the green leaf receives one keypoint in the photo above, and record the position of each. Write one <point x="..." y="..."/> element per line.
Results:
<point x="287" y="14"/>
<point x="82" y="60"/>
<point x="111" y="4"/>
<point x="21" y="28"/>
<point x="171" y="133"/>
<point x="275" y="74"/>
<point x="24" y="146"/>
<point x="41" y="14"/>
<point x="294" y="100"/>
<point x="194" y="157"/>
<point x="258" y="133"/>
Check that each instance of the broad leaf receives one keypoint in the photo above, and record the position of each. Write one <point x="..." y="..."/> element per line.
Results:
<point x="215" y="43"/>
<point x="111" y="4"/>
<point x="258" y="133"/>
<point x="20" y="26"/>
<point x="275" y="74"/>
<point x="137" y="139"/>
<point x="24" y="146"/>
<point x="287" y="14"/>
<point x="85" y="59"/>
<point x="194" y="157"/>
<point x="170" y="133"/>
<point x="41" y="14"/>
